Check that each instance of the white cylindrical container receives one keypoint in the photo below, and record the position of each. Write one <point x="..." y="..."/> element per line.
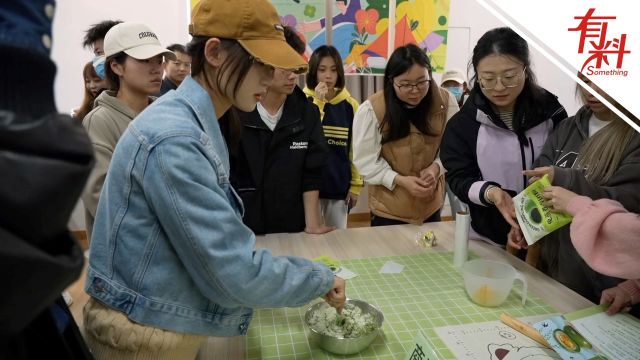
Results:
<point x="461" y="240"/>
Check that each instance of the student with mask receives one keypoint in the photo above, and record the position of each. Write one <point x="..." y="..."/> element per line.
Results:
<point x="93" y="86"/>
<point x="94" y="39"/>
<point x="455" y="81"/>
<point x="171" y="261"/>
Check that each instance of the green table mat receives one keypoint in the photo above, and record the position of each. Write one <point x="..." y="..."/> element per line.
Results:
<point x="429" y="293"/>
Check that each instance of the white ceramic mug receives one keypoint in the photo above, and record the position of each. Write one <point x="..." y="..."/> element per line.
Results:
<point x="488" y="283"/>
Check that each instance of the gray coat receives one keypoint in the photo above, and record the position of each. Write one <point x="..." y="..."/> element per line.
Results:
<point x="558" y="257"/>
<point x="105" y="124"/>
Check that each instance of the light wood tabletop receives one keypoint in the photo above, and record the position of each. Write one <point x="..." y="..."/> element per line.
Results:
<point x="369" y="242"/>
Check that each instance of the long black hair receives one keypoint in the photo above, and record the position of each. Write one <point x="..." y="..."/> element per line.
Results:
<point x="314" y="62"/>
<point x="113" y="79"/>
<point x="236" y="65"/>
<point x="397" y="113"/>
<point x="505" y="41"/>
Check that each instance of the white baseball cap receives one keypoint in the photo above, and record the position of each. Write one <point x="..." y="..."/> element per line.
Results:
<point x="136" y="40"/>
<point x="454" y="75"/>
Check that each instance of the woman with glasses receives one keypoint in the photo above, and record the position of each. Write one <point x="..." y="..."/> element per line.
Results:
<point x="498" y="133"/>
<point x="396" y="136"/>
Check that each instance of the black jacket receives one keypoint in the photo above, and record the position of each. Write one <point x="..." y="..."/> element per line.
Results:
<point x="337" y="121"/>
<point x="478" y="148"/>
<point x="272" y="169"/>
<point x="45" y="159"/>
<point x="166" y="86"/>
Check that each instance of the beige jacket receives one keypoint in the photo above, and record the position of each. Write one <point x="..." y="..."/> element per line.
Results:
<point x="405" y="156"/>
<point x="105" y="124"/>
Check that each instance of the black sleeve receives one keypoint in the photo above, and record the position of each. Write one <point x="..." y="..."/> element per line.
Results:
<point x="559" y="113"/>
<point x="49" y="160"/>
<point x="316" y="158"/>
<point x="458" y="155"/>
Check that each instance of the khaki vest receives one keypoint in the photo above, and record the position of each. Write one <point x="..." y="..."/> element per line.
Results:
<point x="407" y="156"/>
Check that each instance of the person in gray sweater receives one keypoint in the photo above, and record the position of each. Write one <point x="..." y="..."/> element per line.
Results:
<point x="134" y="71"/>
<point x="596" y="154"/>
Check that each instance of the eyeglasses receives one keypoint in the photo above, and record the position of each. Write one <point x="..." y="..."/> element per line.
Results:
<point x="407" y="88"/>
<point x="508" y="80"/>
<point x="181" y="64"/>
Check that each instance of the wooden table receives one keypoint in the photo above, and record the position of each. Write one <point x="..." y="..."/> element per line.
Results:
<point x="384" y="241"/>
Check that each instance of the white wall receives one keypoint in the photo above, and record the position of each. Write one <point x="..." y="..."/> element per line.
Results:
<point x="469" y="17"/>
<point x="168" y="18"/>
<point x="468" y="21"/>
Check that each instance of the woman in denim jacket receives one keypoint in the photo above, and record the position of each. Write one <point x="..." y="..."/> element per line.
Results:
<point x="171" y="261"/>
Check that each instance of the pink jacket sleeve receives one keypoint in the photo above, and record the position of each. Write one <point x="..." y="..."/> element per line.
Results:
<point x="606" y="236"/>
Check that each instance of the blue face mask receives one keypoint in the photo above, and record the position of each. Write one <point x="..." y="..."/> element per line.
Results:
<point x="456" y="91"/>
<point x="98" y="65"/>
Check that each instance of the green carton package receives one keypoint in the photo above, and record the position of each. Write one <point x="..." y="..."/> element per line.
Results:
<point x="535" y="219"/>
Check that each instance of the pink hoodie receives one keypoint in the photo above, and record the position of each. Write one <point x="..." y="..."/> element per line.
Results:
<point x="608" y="238"/>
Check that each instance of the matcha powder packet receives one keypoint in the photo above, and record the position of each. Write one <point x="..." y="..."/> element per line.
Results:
<point x="535" y="219"/>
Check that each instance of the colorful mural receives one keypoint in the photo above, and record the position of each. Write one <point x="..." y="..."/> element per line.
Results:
<point x="425" y="23"/>
<point x="360" y="28"/>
